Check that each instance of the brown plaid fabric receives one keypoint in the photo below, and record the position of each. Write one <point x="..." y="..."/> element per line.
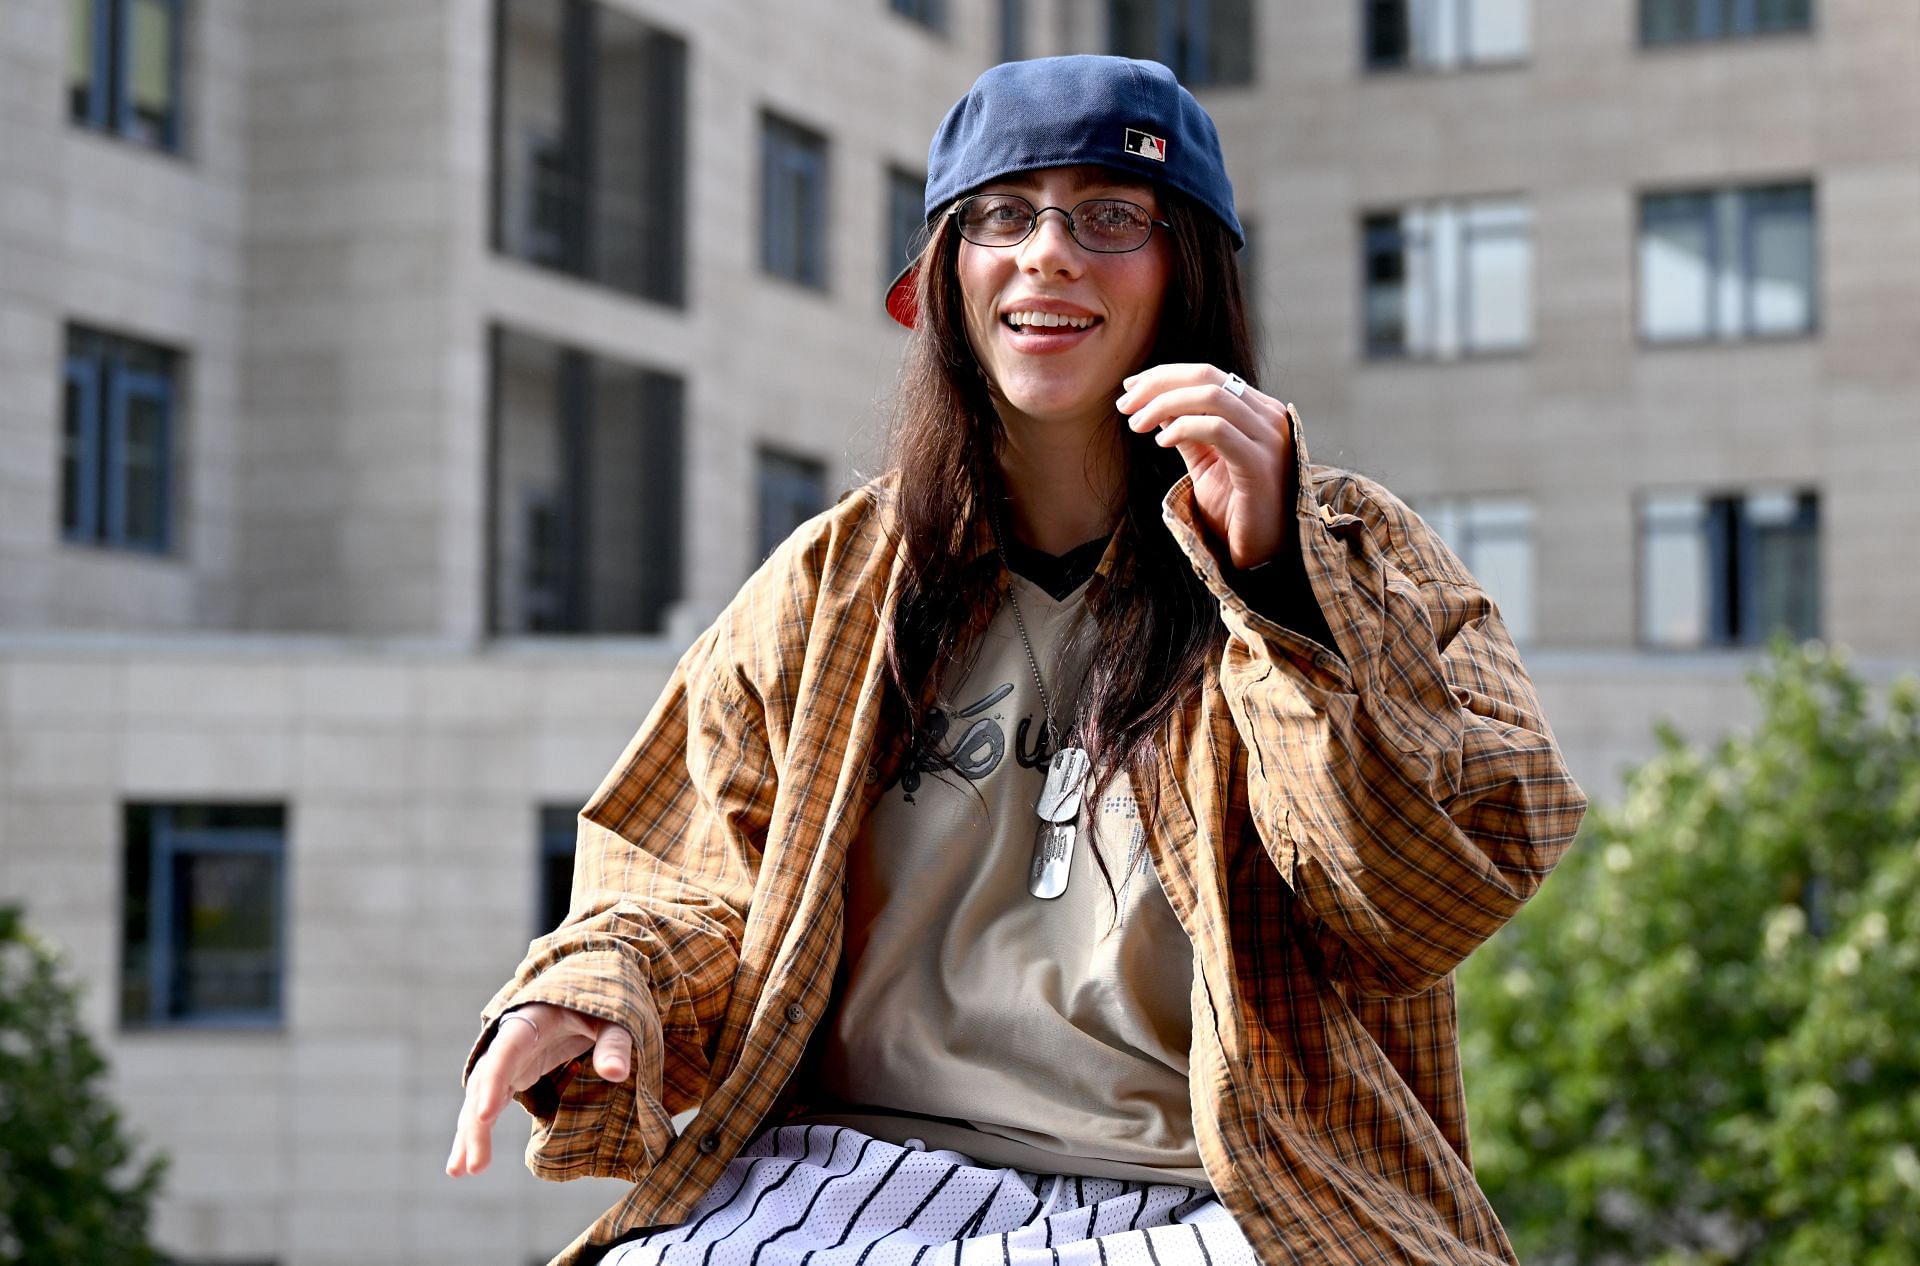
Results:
<point x="1337" y="827"/>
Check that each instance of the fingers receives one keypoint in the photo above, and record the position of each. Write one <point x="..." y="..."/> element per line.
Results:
<point x="488" y="1090"/>
<point x="1156" y="379"/>
<point x="1237" y="445"/>
<point x="1258" y="424"/>
<point x="1241" y="452"/>
<point x="1157" y="396"/>
<point x="519" y="1055"/>
<point x="1248" y="430"/>
<point x="613" y="1053"/>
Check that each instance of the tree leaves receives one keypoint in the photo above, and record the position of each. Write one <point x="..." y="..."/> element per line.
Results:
<point x="1699" y="1043"/>
<point x="71" y="1188"/>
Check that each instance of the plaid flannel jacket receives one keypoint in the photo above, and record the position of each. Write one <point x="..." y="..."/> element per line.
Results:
<point x="1337" y="827"/>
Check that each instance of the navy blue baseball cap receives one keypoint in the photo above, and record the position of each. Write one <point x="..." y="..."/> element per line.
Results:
<point x="1131" y="116"/>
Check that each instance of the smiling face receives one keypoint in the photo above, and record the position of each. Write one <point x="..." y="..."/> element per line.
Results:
<point x="1104" y="309"/>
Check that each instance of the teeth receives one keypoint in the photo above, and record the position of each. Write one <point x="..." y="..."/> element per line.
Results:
<point x="1047" y="320"/>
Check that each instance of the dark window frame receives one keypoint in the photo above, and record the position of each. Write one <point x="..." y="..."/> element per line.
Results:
<point x="1730" y="541"/>
<point x="564" y="191"/>
<point x="795" y="156"/>
<point x="99" y="370"/>
<point x="558" y="830"/>
<point x="1183" y="40"/>
<point x="768" y="461"/>
<point x="1383" y="236"/>
<point x="573" y="545"/>
<point x="105" y="102"/>
<point x="1741" y="22"/>
<point x="165" y="844"/>
<point x="1405" y="63"/>
<point x="930" y="15"/>
<point x="1751" y="201"/>
<point x="906" y="206"/>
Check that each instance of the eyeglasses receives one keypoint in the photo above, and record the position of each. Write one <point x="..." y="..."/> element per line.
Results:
<point x="1110" y="226"/>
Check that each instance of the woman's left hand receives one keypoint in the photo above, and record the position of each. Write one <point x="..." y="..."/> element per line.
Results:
<point x="1238" y="449"/>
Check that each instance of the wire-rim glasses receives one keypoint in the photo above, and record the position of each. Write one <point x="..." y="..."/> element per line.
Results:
<point x="1108" y="226"/>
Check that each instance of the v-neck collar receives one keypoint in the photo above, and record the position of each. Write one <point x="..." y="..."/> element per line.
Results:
<point x="1056" y="575"/>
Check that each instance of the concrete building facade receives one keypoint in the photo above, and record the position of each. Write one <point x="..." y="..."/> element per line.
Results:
<point x="347" y="348"/>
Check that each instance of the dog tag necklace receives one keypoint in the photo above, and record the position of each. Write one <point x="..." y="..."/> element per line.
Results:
<point x="1059" y="803"/>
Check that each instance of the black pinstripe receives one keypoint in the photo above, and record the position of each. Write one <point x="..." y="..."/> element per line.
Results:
<point x="821" y="1190"/>
<point x="911" y="1218"/>
<point x="793" y="1167"/>
<point x="1206" y="1258"/>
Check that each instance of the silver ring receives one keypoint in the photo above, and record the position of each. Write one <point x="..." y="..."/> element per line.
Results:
<point x="526" y="1020"/>
<point x="1236" y="384"/>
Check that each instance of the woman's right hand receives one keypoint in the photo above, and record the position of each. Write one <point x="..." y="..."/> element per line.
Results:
<point x="529" y="1042"/>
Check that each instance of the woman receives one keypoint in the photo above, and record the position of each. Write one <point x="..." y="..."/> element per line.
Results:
<point x="1061" y="848"/>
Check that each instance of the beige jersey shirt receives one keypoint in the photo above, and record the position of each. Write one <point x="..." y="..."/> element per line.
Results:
<point x="1048" y="1035"/>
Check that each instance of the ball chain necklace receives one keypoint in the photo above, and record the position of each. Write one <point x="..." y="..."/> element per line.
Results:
<point x="1059" y="804"/>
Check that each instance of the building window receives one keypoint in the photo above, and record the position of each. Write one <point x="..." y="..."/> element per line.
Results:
<point x="590" y="145"/>
<point x="1013" y="30"/>
<point x="204" y="915"/>
<point x="1729" y="570"/>
<point x="586" y="486"/>
<point x="558" y="827"/>
<point x="1683" y="21"/>
<point x="1449" y="279"/>
<point x="793" y="202"/>
<point x="123" y="69"/>
<point x="1443" y="34"/>
<point x="1205" y="42"/>
<point x="1727" y="263"/>
<point x="792" y="490"/>
<point x="1493" y="536"/>
<point x="906" y="220"/>
<point x="116" y="455"/>
<point x="931" y="14"/>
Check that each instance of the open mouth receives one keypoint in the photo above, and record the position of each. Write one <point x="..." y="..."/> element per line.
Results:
<point x="1047" y="322"/>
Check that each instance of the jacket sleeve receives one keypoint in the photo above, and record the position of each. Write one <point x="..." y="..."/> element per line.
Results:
<point x="667" y="854"/>
<point x="1400" y="773"/>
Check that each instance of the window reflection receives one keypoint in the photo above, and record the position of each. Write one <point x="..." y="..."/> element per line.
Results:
<point x="1730" y="263"/>
<point x="1449" y="279"/>
<point x="1728" y="570"/>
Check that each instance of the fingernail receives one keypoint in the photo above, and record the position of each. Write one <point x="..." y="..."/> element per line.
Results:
<point x="1124" y="402"/>
<point x="1128" y="380"/>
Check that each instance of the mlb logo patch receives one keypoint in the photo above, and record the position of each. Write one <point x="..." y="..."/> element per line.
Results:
<point x="1147" y="145"/>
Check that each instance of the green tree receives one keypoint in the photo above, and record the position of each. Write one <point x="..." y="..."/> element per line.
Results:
<point x="71" y="1189"/>
<point x="1700" y="1043"/>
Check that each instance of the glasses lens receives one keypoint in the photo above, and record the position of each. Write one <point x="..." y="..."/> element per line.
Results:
<point x="995" y="219"/>
<point x="1108" y="224"/>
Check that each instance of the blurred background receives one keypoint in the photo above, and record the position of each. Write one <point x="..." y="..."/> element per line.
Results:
<point x="390" y="389"/>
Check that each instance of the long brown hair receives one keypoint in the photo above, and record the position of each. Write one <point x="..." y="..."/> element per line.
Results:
<point x="942" y="453"/>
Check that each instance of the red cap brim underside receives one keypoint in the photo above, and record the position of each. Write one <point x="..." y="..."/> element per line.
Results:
<point x="900" y="299"/>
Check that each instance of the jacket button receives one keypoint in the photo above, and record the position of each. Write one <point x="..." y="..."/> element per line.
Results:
<point x="795" y="1013"/>
<point x="873" y="774"/>
<point x="709" y="1143"/>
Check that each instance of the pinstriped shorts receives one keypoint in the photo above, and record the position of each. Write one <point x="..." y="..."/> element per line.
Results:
<point x="829" y="1195"/>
